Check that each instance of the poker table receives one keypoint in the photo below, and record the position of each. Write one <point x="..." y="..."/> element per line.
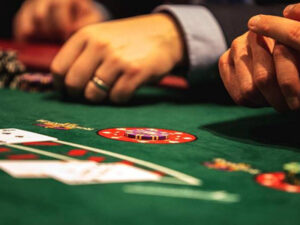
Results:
<point x="259" y="138"/>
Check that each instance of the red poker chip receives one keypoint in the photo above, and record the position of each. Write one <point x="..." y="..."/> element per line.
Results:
<point x="174" y="137"/>
<point x="276" y="180"/>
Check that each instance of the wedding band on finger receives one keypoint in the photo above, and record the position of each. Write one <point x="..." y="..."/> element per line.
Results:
<point x="100" y="84"/>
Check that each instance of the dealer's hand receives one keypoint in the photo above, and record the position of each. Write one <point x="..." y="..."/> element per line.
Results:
<point x="53" y="20"/>
<point x="113" y="59"/>
<point x="252" y="69"/>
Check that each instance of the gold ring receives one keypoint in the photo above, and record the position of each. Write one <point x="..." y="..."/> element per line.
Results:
<point x="100" y="84"/>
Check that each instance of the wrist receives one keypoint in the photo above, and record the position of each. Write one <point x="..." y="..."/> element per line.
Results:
<point x="172" y="37"/>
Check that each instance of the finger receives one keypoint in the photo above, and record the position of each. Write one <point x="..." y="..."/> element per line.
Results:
<point x="40" y="16"/>
<point x="241" y="55"/>
<point x="82" y="70"/>
<point x="108" y="72"/>
<point x="292" y="12"/>
<point x="264" y="72"/>
<point x="287" y="75"/>
<point x="67" y="55"/>
<point x="65" y="58"/>
<point x="23" y="25"/>
<point x="62" y="17"/>
<point x="284" y="30"/>
<point x="127" y="84"/>
<point x="227" y="73"/>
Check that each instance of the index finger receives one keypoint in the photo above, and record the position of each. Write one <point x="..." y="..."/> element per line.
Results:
<point x="284" y="30"/>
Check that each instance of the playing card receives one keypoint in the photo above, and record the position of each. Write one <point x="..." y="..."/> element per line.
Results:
<point x="73" y="172"/>
<point x="78" y="173"/>
<point x="15" y="136"/>
<point x="118" y="172"/>
<point x="28" y="168"/>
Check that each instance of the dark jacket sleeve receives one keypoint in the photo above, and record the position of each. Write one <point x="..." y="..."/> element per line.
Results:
<point x="233" y="19"/>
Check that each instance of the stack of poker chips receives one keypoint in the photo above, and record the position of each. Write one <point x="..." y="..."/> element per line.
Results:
<point x="10" y="67"/>
<point x="33" y="82"/>
<point x="292" y="171"/>
<point x="146" y="134"/>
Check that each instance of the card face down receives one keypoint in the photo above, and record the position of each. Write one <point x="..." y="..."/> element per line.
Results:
<point x="16" y="136"/>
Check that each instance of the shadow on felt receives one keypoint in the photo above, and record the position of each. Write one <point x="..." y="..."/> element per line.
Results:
<point x="151" y="95"/>
<point x="271" y="129"/>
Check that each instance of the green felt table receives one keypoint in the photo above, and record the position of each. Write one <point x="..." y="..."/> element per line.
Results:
<point x="259" y="137"/>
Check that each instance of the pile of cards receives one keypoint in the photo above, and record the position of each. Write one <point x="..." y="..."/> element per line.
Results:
<point x="77" y="172"/>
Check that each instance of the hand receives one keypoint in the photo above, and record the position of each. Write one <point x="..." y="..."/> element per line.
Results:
<point x="53" y="20"/>
<point x="124" y="54"/>
<point x="253" y="71"/>
<point x="286" y="55"/>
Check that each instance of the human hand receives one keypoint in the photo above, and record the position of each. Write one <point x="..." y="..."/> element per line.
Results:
<point x="253" y="72"/>
<point x="286" y="55"/>
<point x="121" y="55"/>
<point x="53" y="20"/>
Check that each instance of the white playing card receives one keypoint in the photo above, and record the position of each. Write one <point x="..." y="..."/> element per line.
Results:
<point x="28" y="168"/>
<point x="15" y="136"/>
<point x="118" y="172"/>
<point x="75" y="173"/>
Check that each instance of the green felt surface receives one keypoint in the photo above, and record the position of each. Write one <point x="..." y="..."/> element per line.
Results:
<point x="259" y="137"/>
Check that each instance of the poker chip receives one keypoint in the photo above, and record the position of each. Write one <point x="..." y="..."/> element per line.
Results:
<point x="292" y="171"/>
<point x="147" y="135"/>
<point x="222" y="164"/>
<point x="10" y="68"/>
<point x="33" y="82"/>
<point x="277" y="180"/>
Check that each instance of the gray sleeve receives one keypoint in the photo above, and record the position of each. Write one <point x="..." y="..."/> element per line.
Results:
<point x="203" y="36"/>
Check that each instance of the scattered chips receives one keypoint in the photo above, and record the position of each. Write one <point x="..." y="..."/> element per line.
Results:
<point x="10" y="68"/>
<point x="60" y="126"/>
<point x="277" y="180"/>
<point x="222" y="164"/>
<point x="147" y="135"/>
<point x="33" y="82"/>
<point x="292" y="171"/>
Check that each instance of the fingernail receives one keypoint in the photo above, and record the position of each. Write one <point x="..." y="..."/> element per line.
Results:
<point x="253" y="22"/>
<point x="287" y="9"/>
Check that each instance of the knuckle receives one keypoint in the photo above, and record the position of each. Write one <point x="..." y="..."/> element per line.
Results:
<point x="116" y="59"/>
<point x="294" y="34"/>
<point x="99" y="44"/>
<point x="280" y="52"/>
<point x="133" y="68"/>
<point x="222" y="62"/>
<point x="235" y="45"/>
<point x="261" y="78"/>
<point x="239" y="49"/>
